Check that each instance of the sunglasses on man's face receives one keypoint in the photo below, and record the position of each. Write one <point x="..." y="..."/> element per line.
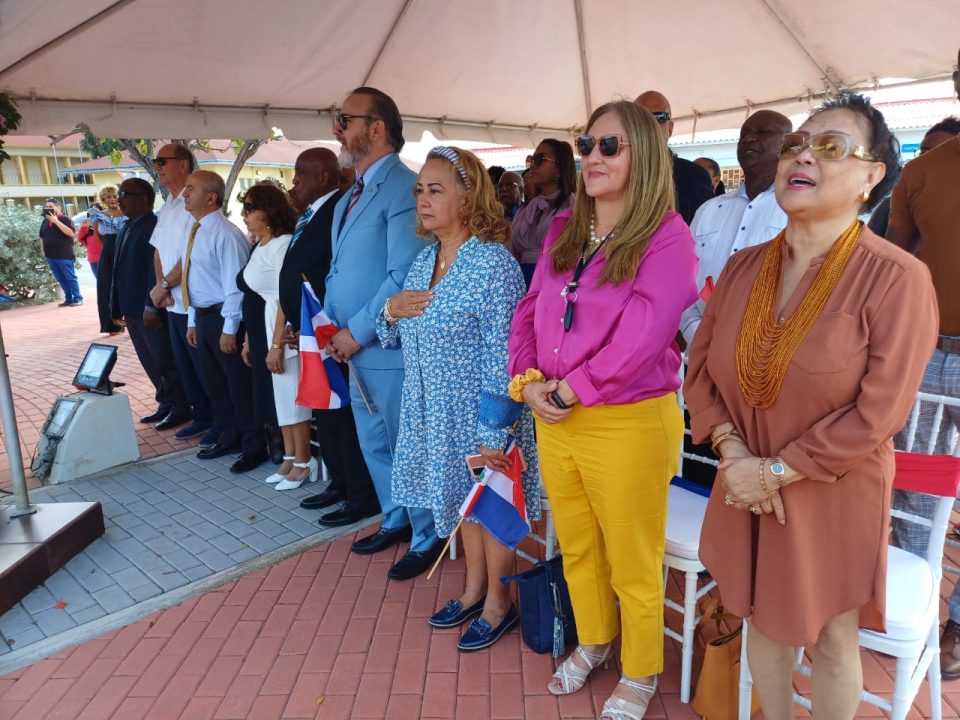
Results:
<point x="538" y="159"/>
<point x="343" y="119"/>
<point x="161" y="161"/>
<point x="127" y="193"/>
<point x="824" y="146"/>
<point x="661" y="116"/>
<point x="610" y="145"/>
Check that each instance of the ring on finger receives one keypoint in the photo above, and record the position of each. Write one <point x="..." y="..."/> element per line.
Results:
<point x="729" y="500"/>
<point x="755" y="509"/>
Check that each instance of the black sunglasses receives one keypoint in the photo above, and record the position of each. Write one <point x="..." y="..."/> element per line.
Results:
<point x="343" y="119"/>
<point x="161" y="161"/>
<point x="538" y="159"/>
<point x="128" y="193"/>
<point x="661" y="116"/>
<point x="249" y="207"/>
<point x="610" y="145"/>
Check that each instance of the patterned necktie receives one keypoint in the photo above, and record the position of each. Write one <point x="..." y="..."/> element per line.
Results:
<point x="301" y="224"/>
<point x="185" y="293"/>
<point x="354" y="196"/>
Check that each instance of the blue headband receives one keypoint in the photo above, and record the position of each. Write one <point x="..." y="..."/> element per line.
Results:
<point x="451" y="156"/>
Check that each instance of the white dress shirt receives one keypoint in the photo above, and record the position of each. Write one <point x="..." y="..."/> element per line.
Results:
<point x="220" y="250"/>
<point x="723" y="226"/>
<point x="170" y="239"/>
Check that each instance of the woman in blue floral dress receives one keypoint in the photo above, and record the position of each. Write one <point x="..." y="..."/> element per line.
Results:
<point x="452" y="320"/>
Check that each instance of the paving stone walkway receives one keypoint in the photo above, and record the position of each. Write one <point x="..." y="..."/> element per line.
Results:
<point x="169" y="522"/>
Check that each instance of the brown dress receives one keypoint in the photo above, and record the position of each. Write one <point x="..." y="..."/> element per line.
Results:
<point x="848" y="389"/>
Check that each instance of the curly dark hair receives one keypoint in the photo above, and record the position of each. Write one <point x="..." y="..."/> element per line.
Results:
<point x="275" y="204"/>
<point x="881" y="143"/>
<point x="949" y="125"/>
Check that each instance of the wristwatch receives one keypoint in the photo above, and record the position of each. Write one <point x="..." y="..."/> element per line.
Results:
<point x="779" y="471"/>
<point x="164" y="284"/>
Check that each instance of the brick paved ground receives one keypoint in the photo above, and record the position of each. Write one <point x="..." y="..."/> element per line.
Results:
<point x="45" y="345"/>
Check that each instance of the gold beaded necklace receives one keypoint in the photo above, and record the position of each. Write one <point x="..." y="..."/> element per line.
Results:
<point x="766" y="347"/>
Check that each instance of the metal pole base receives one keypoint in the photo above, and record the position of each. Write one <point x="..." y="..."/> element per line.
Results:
<point x="29" y="510"/>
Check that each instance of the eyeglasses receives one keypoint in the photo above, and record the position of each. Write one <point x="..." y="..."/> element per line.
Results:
<point x="249" y="207"/>
<point x="610" y="145"/>
<point x="343" y="119"/>
<point x="507" y="186"/>
<point x="538" y="159"/>
<point x="128" y="193"/>
<point x="661" y="116"/>
<point x="824" y="146"/>
<point x="161" y="161"/>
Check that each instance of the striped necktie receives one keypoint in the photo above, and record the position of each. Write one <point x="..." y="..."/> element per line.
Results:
<point x="184" y="292"/>
<point x="301" y="224"/>
<point x="354" y="196"/>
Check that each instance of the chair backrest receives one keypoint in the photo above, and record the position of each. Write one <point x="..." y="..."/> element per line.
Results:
<point x="684" y="454"/>
<point x="936" y="475"/>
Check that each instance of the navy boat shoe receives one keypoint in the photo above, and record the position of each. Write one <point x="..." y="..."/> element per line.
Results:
<point x="480" y="635"/>
<point x="454" y="614"/>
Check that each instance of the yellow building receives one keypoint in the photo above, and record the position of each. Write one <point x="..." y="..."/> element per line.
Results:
<point x="38" y="169"/>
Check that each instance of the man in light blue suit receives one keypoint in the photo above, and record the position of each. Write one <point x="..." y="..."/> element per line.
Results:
<point x="374" y="243"/>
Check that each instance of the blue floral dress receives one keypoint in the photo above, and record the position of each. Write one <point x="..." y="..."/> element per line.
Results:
<point x="455" y="359"/>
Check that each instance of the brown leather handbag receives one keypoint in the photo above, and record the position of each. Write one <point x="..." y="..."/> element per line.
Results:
<point x="718" y="687"/>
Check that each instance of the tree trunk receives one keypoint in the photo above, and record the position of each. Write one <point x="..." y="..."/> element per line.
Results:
<point x="247" y="151"/>
<point x="144" y="159"/>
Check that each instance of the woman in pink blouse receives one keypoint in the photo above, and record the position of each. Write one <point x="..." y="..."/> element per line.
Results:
<point x="593" y="354"/>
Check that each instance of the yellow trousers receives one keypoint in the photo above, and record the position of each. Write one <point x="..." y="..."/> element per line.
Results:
<point x="606" y="470"/>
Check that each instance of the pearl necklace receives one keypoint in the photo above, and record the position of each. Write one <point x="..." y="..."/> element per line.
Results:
<point x="594" y="238"/>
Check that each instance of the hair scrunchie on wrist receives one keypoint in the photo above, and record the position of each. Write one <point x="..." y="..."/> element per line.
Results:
<point x="520" y="381"/>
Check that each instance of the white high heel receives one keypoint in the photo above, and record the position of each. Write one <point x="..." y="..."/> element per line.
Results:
<point x="619" y="708"/>
<point x="311" y="476"/>
<point x="277" y="477"/>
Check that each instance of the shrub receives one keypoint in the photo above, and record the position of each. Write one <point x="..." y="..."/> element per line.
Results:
<point x="23" y="268"/>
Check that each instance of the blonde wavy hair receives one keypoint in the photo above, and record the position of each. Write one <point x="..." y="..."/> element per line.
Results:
<point x="649" y="196"/>
<point x="107" y="189"/>
<point x="481" y="209"/>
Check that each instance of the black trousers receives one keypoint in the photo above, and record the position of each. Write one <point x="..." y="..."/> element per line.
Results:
<point x="190" y="367"/>
<point x="340" y="450"/>
<point x="104" y="282"/>
<point x="228" y="383"/>
<point x="155" y="353"/>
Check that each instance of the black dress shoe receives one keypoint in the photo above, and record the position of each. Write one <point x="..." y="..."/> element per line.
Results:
<point x="325" y="499"/>
<point x="216" y="451"/>
<point x="415" y="563"/>
<point x="176" y="418"/>
<point x="345" y="516"/>
<point x="157" y="415"/>
<point x="381" y="540"/>
<point x="246" y="463"/>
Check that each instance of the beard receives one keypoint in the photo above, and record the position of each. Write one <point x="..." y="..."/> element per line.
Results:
<point x="352" y="153"/>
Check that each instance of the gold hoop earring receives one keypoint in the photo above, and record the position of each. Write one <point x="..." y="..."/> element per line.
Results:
<point x="864" y="196"/>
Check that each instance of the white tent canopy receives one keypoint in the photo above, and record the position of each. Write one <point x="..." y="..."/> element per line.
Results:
<point x="507" y="71"/>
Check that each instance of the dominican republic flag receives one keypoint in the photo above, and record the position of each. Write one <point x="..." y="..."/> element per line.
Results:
<point x="322" y="386"/>
<point x="498" y="502"/>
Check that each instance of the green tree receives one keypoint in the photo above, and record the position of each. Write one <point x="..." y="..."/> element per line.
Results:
<point x="141" y="150"/>
<point x="23" y="268"/>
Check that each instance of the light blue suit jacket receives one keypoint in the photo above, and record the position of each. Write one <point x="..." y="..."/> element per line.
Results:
<point x="371" y="256"/>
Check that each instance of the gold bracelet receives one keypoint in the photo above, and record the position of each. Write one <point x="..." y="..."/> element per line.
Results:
<point x="387" y="315"/>
<point x="274" y="346"/>
<point x="520" y="381"/>
<point x="728" y="435"/>
<point x="763" y="482"/>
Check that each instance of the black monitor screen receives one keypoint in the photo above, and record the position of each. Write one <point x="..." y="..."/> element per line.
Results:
<point x="96" y="366"/>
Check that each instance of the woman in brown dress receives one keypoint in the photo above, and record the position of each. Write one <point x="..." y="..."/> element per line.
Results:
<point x="807" y="362"/>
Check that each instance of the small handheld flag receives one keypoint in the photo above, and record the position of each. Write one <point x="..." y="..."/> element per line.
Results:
<point x="322" y="385"/>
<point x="498" y="501"/>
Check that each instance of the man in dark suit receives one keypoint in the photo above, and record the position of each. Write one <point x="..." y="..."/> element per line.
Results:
<point x="691" y="181"/>
<point x="133" y="276"/>
<point x="316" y="181"/>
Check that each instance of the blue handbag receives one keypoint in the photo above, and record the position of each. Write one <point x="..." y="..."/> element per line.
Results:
<point x="546" y="616"/>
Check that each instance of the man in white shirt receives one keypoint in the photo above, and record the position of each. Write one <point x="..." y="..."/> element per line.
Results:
<point x="740" y="218"/>
<point x="216" y="252"/>
<point x="173" y="164"/>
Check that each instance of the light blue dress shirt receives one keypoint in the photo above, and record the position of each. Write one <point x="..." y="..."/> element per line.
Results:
<point x="220" y="250"/>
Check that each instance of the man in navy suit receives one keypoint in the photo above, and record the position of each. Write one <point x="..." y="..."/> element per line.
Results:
<point x="315" y="192"/>
<point x="133" y="276"/>
<point x="374" y="244"/>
